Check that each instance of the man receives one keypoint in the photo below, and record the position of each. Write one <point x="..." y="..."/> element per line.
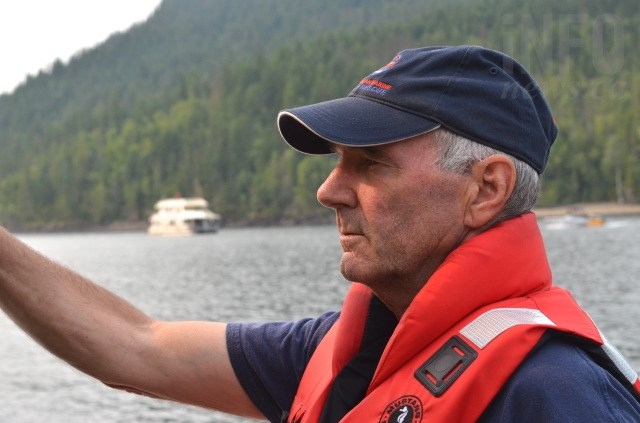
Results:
<point x="453" y="317"/>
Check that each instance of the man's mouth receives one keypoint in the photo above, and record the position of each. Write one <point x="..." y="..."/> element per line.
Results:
<point x="347" y="230"/>
<point x="349" y="239"/>
<point x="349" y="233"/>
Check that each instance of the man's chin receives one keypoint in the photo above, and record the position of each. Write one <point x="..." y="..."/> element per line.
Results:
<point x="355" y="269"/>
<point x="346" y="267"/>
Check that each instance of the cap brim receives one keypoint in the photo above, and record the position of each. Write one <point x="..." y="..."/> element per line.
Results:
<point x="350" y="121"/>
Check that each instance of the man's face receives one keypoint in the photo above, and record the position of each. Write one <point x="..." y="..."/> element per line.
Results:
<point x="398" y="214"/>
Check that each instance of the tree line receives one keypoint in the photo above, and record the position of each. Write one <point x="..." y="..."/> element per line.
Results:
<point x="213" y="134"/>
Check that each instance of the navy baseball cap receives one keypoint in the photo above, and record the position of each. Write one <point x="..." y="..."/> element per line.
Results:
<point x="480" y="94"/>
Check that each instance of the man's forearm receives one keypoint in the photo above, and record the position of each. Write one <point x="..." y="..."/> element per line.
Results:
<point x="72" y="317"/>
<point x="109" y="339"/>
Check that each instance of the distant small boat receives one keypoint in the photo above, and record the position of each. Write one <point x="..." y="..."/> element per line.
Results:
<point x="595" y="222"/>
<point x="574" y="220"/>
<point x="183" y="216"/>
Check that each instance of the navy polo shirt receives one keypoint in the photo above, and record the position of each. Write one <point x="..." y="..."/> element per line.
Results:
<point x="559" y="382"/>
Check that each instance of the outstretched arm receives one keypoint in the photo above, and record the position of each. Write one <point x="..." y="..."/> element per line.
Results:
<point x="106" y="337"/>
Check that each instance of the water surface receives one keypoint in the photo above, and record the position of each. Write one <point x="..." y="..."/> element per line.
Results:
<point x="260" y="274"/>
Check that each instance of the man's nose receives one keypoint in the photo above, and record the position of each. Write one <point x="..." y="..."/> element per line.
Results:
<point x="338" y="190"/>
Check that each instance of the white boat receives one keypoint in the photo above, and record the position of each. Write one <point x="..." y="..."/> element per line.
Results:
<point x="183" y="216"/>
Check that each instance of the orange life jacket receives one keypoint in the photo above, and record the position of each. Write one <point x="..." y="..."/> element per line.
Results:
<point x="462" y="337"/>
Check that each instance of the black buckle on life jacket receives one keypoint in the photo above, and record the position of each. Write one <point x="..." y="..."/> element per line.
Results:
<point x="445" y="366"/>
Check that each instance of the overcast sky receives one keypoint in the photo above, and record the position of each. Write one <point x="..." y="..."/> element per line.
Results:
<point x="34" y="33"/>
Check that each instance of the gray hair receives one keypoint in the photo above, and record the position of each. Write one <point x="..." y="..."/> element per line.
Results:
<point x="458" y="154"/>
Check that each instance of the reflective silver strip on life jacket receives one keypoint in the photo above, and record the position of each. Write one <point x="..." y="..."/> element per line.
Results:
<point x="617" y="358"/>
<point x="484" y="328"/>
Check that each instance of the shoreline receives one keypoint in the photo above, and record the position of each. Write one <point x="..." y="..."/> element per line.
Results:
<point x="600" y="209"/>
<point x="592" y="209"/>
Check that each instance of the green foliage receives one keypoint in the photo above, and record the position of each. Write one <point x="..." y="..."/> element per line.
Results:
<point x="186" y="102"/>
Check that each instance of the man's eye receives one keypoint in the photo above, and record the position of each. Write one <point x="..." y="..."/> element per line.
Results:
<point x="371" y="160"/>
<point x="369" y="163"/>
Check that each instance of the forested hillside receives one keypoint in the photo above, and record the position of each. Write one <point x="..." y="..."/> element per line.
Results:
<point x="186" y="102"/>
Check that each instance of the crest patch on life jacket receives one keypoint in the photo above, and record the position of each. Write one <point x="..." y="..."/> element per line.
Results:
<point x="445" y="366"/>
<point x="407" y="409"/>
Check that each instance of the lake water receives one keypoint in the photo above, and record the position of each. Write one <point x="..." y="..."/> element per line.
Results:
<point x="261" y="274"/>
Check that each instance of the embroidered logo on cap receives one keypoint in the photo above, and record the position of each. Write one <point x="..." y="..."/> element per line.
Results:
<point x="373" y="85"/>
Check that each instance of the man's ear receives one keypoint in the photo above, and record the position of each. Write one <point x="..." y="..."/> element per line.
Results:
<point x="493" y="181"/>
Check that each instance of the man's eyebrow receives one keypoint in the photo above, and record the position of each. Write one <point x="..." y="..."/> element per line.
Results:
<point x="373" y="152"/>
<point x="376" y="152"/>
